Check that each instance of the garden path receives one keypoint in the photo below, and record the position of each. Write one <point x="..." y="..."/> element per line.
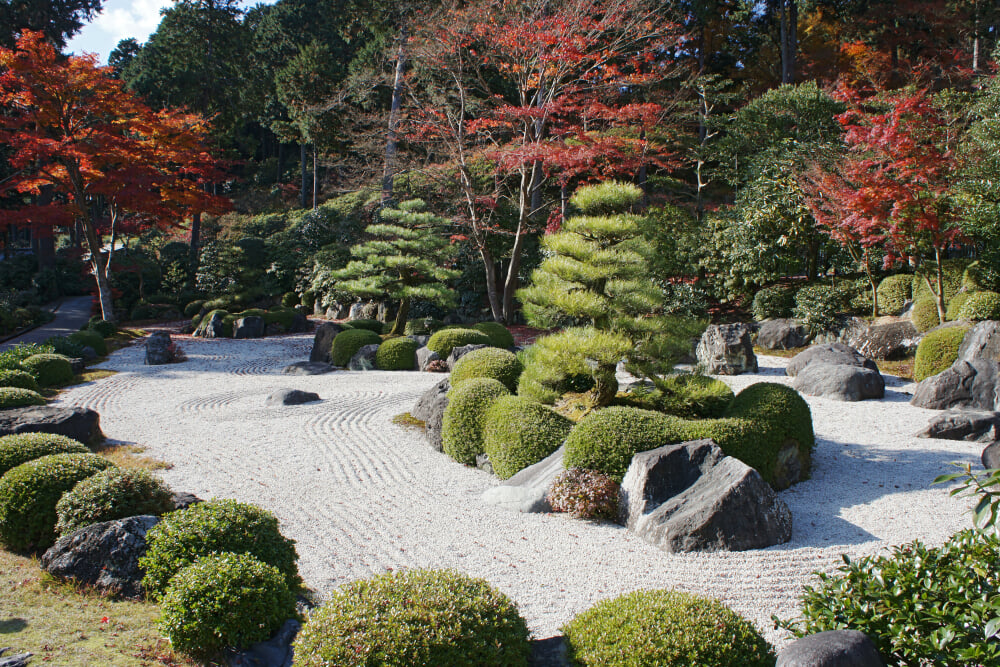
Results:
<point x="72" y="312"/>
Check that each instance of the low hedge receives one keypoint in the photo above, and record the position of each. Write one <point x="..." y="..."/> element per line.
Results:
<point x="115" y="493"/>
<point x="397" y="354"/>
<point x="20" y="448"/>
<point x="937" y="351"/>
<point x="103" y="327"/>
<point x="518" y="433"/>
<point x="464" y="418"/>
<point x="67" y="347"/>
<point x="499" y="335"/>
<point x="16" y="397"/>
<point x="444" y="340"/>
<point x="15" y="378"/>
<point x="661" y="628"/>
<point x="925" y="314"/>
<point x="370" y="325"/>
<point x="488" y="362"/>
<point x="50" y="370"/>
<point x="980" y="306"/>
<point x="418" y="617"/>
<point x="29" y="493"/>
<point x="92" y="339"/>
<point x="773" y="302"/>
<point x="347" y="343"/>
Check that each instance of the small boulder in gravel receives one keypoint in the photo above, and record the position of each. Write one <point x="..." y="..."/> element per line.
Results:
<point x="833" y="648"/>
<point x="183" y="500"/>
<point x="363" y="359"/>
<point x="840" y="383"/>
<point x="528" y="490"/>
<point x="725" y="349"/>
<point x="103" y="555"/>
<point x="828" y="353"/>
<point x="425" y="356"/>
<point x="982" y="341"/>
<point x="158" y="349"/>
<point x="275" y="652"/>
<point x="889" y="340"/>
<point x="251" y="326"/>
<point x="782" y="334"/>
<point x="967" y="384"/>
<point x="430" y="410"/>
<point x="307" y="368"/>
<point x="323" y="341"/>
<point x="459" y="352"/>
<point x="291" y="397"/>
<point x="991" y="456"/>
<point x="969" y="425"/>
<point x="81" y="424"/>
<point x="14" y="660"/>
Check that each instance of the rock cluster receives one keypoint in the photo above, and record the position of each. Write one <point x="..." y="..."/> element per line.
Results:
<point x="726" y="349"/>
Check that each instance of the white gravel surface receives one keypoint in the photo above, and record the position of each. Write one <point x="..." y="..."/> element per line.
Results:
<point x="361" y="495"/>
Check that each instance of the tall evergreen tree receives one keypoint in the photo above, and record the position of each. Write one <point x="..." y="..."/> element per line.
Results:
<point x="57" y="19"/>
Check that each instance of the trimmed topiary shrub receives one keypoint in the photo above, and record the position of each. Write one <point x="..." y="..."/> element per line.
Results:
<point x="90" y="338"/>
<point x="50" y="370"/>
<point x="20" y="448"/>
<point x="16" y="397"/>
<point x="72" y="349"/>
<point x="103" y="327"/>
<point x="981" y="306"/>
<point x="893" y="293"/>
<point x="193" y="308"/>
<point x="347" y="343"/>
<point x="955" y="306"/>
<point x="14" y="378"/>
<point x="925" y="315"/>
<point x="773" y="302"/>
<point x="419" y="617"/>
<point x="498" y="333"/>
<point x="224" y="600"/>
<point x="488" y="362"/>
<point x="289" y="299"/>
<point x="518" y="433"/>
<point x="422" y="326"/>
<point x="212" y="527"/>
<point x="937" y="351"/>
<point x="665" y="629"/>
<point x="444" y="340"/>
<point x="462" y="424"/>
<point x="115" y="493"/>
<point x="29" y="493"/>
<point x="397" y="354"/>
<point x="370" y="325"/>
<point x="586" y="494"/>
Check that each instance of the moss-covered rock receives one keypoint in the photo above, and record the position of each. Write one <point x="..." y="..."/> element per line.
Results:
<point x="462" y="425"/>
<point x="444" y="340"/>
<point x="893" y="293"/>
<point x="20" y="448"/>
<point x="499" y="335"/>
<point x="488" y="362"/>
<point x="50" y="370"/>
<point x="397" y="354"/>
<point x="518" y="433"/>
<point x="347" y="343"/>
<point x="16" y="397"/>
<point x="937" y="351"/>
<point x="980" y="306"/>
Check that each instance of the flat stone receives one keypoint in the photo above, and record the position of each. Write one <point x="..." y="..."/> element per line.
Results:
<point x="528" y="490"/>
<point x="251" y="326"/>
<point x="833" y="648"/>
<point x="430" y="410"/>
<point x="726" y="349"/>
<point x="363" y="359"/>
<point x="459" y="352"/>
<point x="966" y="384"/>
<point x="323" y="341"/>
<point x="991" y="456"/>
<point x="158" y="349"/>
<point x="15" y="660"/>
<point x="81" y="424"/>
<point x="782" y="334"/>
<point x="291" y="397"/>
<point x="982" y="341"/>
<point x="828" y="353"/>
<point x="969" y="425"/>
<point x="307" y="368"/>
<point x="483" y="463"/>
<point x="840" y="383"/>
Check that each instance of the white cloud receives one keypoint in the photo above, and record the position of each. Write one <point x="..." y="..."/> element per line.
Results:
<point x="118" y="20"/>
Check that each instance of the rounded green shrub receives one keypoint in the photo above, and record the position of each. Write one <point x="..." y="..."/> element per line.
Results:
<point x="397" y="354"/>
<point x="488" y="362"/>
<point x="16" y="397"/>
<point x="90" y="338"/>
<point x="115" y="493"/>
<point x="893" y="293"/>
<point x="665" y="629"/>
<point x="444" y="340"/>
<point x="981" y="306"/>
<point x="29" y="493"/>
<point x="693" y="396"/>
<point x="499" y="335"/>
<point x="955" y="306"/>
<point x="289" y="299"/>
<point x="347" y="343"/>
<point x="15" y="378"/>
<point x="606" y="440"/>
<point x="937" y="351"/>
<point x="422" y="326"/>
<point x="195" y="321"/>
<point x="49" y="370"/>
<point x="925" y="315"/>
<point x="418" y="617"/>
<point x="104" y="328"/>
<point x="370" y="325"/>
<point x="462" y="424"/>
<point x="518" y="433"/>
<point x="773" y="302"/>
<point x="224" y="600"/>
<point x="20" y="448"/>
<point x="211" y="527"/>
<point x="586" y="494"/>
<point x="193" y="308"/>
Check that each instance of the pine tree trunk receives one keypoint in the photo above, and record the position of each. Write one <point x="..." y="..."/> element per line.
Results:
<point x="399" y="326"/>
<point x="315" y="179"/>
<point x="388" y="169"/>
<point x="302" y="168"/>
<point x="193" y="252"/>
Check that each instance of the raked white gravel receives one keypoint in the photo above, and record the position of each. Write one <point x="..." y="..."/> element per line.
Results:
<point x="361" y="495"/>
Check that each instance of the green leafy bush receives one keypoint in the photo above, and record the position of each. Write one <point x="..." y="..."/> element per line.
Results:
<point x="542" y="382"/>
<point x="418" y="617"/>
<point x="981" y="306"/>
<point x="518" y="432"/>
<point x="586" y="494"/>
<point x="686" y="395"/>
<point x="773" y="302"/>
<point x="920" y="605"/>
<point x="90" y="338"/>
<point x="370" y="325"/>
<point x="104" y="328"/>
<point x="14" y="378"/>
<point x="50" y="370"/>
<point x="665" y="629"/>
<point x="29" y="493"/>
<point x="193" y="308"/>
<point x="498" y="333"/>
<point x="463" y="421"/>
<point x="115" y="493"/>
<point x="224" y="600"/>
<point x="212" y="527"/>
<point x="925" y="315"/>
<point x="17" y="397"/>
<point x="71" y="348"/>
<point x="289" y="299"/>
<point x="817" y="306"/>
<point x="955" y="306"/>
<point x="347" y="343"/>
<point x="20" y="448"/>
<point x="488" y="362"/>
<point x="976" y="277"/>
<point x="893" y="293"/>
<point x="937" y="351"/>
<point x="397" y="354"/>
<point x="444" y="340"/>
<point x="953" y="270"/>
<point x="11" y="358"/>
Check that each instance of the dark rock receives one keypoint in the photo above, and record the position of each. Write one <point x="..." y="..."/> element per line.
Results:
<point x="969" y="425"/>
<point x="430" y="410"/>
<point x="845" y="329"/>
<point x="692" y="497"/>
<point x="249" y="327"/>
<point x="833" y="648"/>
<point x="459" y="352"/>
<point x="87" y="353"/>
<point x="725" y="349"/>
<point x="891" y="340"/>
<point x="81" y="424"/>
<point x="15" y="660"/>
<point x="275" y="652"/>
<point x="299" y="324"/>
<point x="323" y="341"/>
<point x="782" y="334"/>
<point x="182" y="500"/>
<point x="425" y="355"/>
<point x="841" y="383"/>
<point x="483" y="463"/>
<point x="77" y="366"/>
<point x="103" y="555"/>
<point x="549" y="652"/>
<point x="214" y="328"/>
<point x="291" y="397"/>
<point x="836" y="354"/>
<point x="363" y="359"/>
<point x="964" y="385"/>
<point x="991" y="456"/>
<point x="158" y="349"/>
<point x="981" y="342"/>
<point x="307" y="368"/>
<point x="528" y="490"/>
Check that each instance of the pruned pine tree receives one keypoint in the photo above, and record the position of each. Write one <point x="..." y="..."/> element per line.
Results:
<point x="405" y="259"/>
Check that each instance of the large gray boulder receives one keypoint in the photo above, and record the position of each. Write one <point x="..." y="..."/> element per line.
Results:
<point x="692" y="497"/>
<point x="459" y="352"/>
<point x="828" y="353"/>
<point x="81" y="424"/>
<point x="528" y="490"/>
<point x="888" y="340"/>
<point x="363" y="359"/>
<point x="103" y="555"/>
<point x="291" y="397"/>
<point x="214" y="328"/>
<point x="251" y="326"/>
<point x="354" y="312"/>
<point x="969" y="425"/>
<point x="833" y="648"/>
<point x="991" y="456"/>
<point x="299" y="324"/>
<point x="323" y="341"/>
<point x="782" y="334"/>
<point x="425" y="356"/>
<point x="982" y="341"/>
<point x="430" y="410"/>
<point x="307" y="368"/>
<point x="845" y="329"/>
<point x="158" y="349"/>
<point x="337" y="311"/>
<point x="840" y="383"/>
<point x="726" y="349"/>
<point x="967" y="384"/>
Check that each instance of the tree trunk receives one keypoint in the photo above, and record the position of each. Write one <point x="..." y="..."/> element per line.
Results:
<point x="315" y="179"/>
<point x="789" y="39"/>
<point x="281" y="163"/>
<point x="193" y="251"/>
<point x="100" y="271"/>
<point x="388" y="169"/>
<point x="491" y="284"/>
<point x="399" y="326"/>
<point x="940" y="284"/>
<point x="302" y="166"/>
